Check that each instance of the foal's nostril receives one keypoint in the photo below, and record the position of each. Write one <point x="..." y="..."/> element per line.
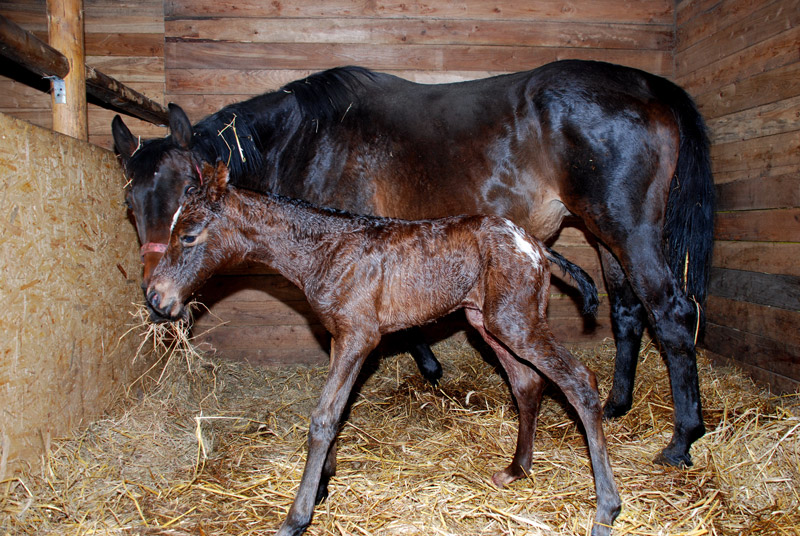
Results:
<point x="154" y="298"/>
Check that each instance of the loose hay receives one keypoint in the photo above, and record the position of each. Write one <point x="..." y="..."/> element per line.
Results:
<point x="221" y="451"/>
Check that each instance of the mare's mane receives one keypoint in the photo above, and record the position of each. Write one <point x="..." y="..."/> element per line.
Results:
<point x="321" y="97"/>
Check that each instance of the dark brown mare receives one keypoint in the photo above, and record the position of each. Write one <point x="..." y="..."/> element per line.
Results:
<point x="623" y="150"/>
<point x="368" y="276"/>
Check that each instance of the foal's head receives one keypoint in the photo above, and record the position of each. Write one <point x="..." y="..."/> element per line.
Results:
<point x="196" y="246"/>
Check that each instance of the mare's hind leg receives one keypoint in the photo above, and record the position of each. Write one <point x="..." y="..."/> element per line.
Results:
<point x="627" y="322"/>
<point x="673" y="318"/>
<point x="533" y="342"/>
<point x="527" y="386"/>
<point x="420" y="350"/>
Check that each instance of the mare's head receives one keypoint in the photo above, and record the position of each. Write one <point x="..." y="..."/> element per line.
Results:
<point x="196" y="246"/>
<point x="160" y="173"/>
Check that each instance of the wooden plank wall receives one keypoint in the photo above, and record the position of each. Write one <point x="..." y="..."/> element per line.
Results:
<point x="741" y="61"/>
<point x="123" y="39"/>
<point x="218" y="52"/>
<point x="204" y="54"/>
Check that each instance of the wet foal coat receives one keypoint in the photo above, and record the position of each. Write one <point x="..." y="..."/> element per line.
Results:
<point x="367" y="276"/>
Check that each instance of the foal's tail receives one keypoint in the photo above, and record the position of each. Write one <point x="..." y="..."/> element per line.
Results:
<point x="689" y="225"/>
<point x="582" y="279"/>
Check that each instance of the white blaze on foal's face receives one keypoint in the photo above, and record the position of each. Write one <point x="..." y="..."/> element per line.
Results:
<point x="523" y="244"/>
<point x="175" y="218"/>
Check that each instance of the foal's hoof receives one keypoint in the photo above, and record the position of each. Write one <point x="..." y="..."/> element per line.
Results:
<point x="508" y="475"/>
<point x="681" y="461"/>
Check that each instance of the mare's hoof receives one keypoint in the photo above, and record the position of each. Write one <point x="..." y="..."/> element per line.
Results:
<point x="322" y="494"/>
<point x="613" y="411"/>
<point x="681" y="461"/>
<point x="433" y="374"/>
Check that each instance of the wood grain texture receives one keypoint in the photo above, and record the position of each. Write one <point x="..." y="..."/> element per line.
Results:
<point x="645" y="11"/>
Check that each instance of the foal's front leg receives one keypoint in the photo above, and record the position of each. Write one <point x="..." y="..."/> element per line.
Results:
<point x="348" y="356"/>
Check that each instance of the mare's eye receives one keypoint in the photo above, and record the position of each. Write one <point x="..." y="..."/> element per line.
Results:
<point x="190" y="189"/>
<point x="188" y="240"/>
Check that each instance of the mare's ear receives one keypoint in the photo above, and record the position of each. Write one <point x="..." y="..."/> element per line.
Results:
<point x="124" y="142"/>
<point x="216" y="178"/>
<point x="179" y="126"/>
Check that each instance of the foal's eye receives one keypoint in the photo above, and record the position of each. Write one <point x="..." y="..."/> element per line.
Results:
<point x="188" y="240"/>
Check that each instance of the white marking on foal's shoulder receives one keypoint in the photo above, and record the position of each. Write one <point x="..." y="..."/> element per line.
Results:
<point x="175" y="218"/>
<point x="523" y="244"/>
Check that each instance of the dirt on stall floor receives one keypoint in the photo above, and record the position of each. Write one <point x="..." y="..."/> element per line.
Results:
<point x="217" y="447"/>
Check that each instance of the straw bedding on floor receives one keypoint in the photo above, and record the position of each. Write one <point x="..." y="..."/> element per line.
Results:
<point x="217" y="447"/>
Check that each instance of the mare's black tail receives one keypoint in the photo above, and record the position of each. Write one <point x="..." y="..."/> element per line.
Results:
<point x="582" y="279"/>
<point x="689" y="225"/>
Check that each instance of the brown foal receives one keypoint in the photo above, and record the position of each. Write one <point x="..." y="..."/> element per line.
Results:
<point x="367" y="276"/>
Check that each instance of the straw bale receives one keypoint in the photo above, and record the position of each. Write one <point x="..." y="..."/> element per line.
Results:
<point x="218" y="447"/>
<point x="69" y="265"/>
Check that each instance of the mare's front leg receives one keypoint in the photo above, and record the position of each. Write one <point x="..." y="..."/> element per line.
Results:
<point x="348" y="355"/>
<point x="527" y="387"/>
<point x="420" y="350"/>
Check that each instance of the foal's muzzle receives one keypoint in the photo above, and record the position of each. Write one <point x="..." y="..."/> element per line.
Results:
<point x="164" y="307"/>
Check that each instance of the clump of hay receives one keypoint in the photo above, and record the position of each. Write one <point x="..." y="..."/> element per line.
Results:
<point x="413" y="459"/>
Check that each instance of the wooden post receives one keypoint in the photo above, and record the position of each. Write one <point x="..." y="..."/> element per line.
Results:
<point x="65" y="28"/>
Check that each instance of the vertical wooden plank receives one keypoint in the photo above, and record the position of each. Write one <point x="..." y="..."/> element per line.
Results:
<point x="65" y="28"/>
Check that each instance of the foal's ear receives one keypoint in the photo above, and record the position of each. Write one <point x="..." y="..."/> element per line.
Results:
<point x="216" y="178"/>
<point x="179" y="126"/>
<point x="124" y="142"/>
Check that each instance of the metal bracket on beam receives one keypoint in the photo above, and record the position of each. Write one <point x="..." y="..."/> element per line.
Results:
<point x="59" y="89"/>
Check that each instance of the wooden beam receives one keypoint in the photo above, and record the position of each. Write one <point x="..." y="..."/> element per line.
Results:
<point x="37" y="56"/>
<point x="65" y="29"/>
<point x="31" y="52"/>
<point x="120" y="96"/>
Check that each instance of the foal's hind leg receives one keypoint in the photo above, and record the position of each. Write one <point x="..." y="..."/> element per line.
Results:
<point x="535" y="344"/>
<point x="527" y="386"/>
<point x="627" y="321"/>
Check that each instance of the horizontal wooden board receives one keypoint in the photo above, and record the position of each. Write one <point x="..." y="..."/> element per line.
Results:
<point x="777" y="225"/>
<point x="130" y="70"/>
<point x="758" y="153"/>
<point x="782" y="191"/>
<point x="745" y="94"/>
<point x="770" y="322"/>
<point x="425" y="31"/>
<point x="772" y="290"/>
<point x="765" y="56"/>
<point x="755" y="172"/>
<point x="124" y="44"/>
<point x="217" y="55"/>
<point x="755" y="350"/>
<point x="698" y="19"/>
<point x="765" y="120"/>
<point x="740" y="30"/>
<point x="649" y="11"/>
<point x="776" y="383"/>
<point x="768" y="257"/>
